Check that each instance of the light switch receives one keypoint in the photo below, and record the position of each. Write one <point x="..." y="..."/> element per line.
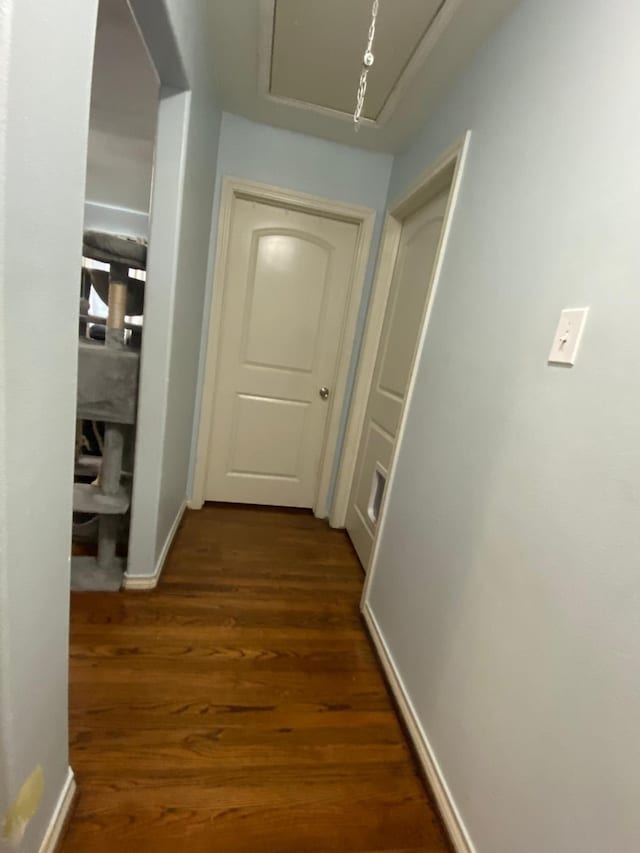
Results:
<point x="567" y="339"/>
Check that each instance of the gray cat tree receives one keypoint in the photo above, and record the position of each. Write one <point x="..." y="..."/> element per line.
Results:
<point x="107" y="393"/>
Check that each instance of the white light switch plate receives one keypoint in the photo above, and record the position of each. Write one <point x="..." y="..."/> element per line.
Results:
<point x="568" y="335"/>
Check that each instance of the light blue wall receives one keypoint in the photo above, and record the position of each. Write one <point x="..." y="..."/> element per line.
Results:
<point x="189" y="128"/>
<point x="263" y="153"/>
<point x="190" y="306"/>
<point x="191" y="23"/>
<point x="294" y="161"/>
<point x="45" y="87"/>
<point x="507" y="585"/>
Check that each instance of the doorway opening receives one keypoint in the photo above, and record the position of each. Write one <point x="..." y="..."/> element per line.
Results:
<point x="140" y="107"/>
<point x="122" y="130"/>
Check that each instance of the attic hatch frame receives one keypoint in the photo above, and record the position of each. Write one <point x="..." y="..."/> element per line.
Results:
<point x="267" y="17"/>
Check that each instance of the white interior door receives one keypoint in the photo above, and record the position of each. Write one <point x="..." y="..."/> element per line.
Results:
<point x="286" y="293"/>
<point x="406" y="308"/>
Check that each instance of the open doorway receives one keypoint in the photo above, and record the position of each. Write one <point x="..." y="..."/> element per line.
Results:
<point x="122" y="130"/>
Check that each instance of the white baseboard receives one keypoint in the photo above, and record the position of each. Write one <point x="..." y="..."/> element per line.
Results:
<point x="151" y="581"/>
<point x="60" y="815"/>
<point x="140" y="582"/>
<point x="448" y="810"/>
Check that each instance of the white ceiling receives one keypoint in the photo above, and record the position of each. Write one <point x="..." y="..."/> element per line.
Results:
<point x="296" y="63"/>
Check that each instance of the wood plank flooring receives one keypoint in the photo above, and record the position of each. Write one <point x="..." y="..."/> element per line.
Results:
<point x="239" y="707"/>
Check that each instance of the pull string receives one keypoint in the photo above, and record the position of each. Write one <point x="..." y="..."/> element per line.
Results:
<point x="367" y="62"/>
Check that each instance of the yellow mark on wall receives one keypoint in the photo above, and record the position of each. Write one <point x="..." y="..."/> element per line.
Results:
<point x="24" y="808"/>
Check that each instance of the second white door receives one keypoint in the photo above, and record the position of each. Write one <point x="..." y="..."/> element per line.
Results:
<point x="408" y="300"/>
<point x="286" y="293"/>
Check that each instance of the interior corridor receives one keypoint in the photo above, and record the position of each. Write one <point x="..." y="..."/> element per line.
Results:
<point x="239" y="706"/>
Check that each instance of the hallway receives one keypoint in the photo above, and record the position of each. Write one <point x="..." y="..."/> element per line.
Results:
<point x="239" y="707"/>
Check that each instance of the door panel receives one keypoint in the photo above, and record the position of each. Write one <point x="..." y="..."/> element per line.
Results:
<point x="407" y="304"/>
<point x="286" y="292"/>
<point x="252" y="452"/>
<point x="287" y="289"/>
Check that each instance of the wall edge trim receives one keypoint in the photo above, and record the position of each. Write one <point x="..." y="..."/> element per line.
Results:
<point x="451" y="817"/>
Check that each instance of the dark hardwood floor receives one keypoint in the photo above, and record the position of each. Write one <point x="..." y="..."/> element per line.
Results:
<point x="239" y="707"/>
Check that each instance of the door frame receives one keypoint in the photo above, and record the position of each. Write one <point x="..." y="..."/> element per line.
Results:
<point x="445" y="171"/>
<point x="234" y="189"/>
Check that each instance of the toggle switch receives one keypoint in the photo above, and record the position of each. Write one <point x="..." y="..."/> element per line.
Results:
<point x="568" y="336"/>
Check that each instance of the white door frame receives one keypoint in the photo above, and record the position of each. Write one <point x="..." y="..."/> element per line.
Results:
<point x="445" y="171"/>
<point x="364" y="218"/>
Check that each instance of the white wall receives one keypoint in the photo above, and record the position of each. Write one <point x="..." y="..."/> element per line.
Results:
<point x="44" y="116"/>
<point x="258" y="152"/>
<point x="124" y="106"/>
<point x="176" y="285"/>
<point x="508" y="576"/>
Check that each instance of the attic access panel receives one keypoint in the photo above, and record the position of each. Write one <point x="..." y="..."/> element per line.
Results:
<point x="316" y="50"/>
